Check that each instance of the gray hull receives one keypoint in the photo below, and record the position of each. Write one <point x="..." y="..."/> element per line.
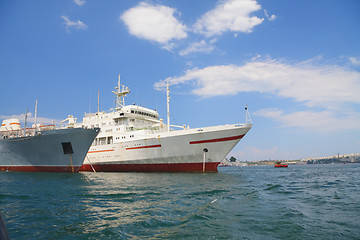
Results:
<point x="61" y="150"/>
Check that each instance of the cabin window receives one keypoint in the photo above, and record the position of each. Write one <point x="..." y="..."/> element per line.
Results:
<point x="132" y="111"/>
<point x="110" y="140"/>
<point x="102" y="141"/>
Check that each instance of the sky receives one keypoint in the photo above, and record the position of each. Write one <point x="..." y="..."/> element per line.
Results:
<point x="296" y="64"/>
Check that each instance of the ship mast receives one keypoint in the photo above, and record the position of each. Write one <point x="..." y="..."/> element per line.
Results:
<point x="98" y="102"/>
<point x="120" y="95"/>
<point x="26" y="116"/>
<point x="35" y="114"/>
<point x="168" y="105"/>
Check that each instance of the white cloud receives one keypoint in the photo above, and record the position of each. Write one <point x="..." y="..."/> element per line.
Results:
<point x="323" y="121"/>
<point x="354" y="61"/>
<point x="159" y="24"/>
<point x="80" y="2"/>
<point x="230" y="15"/>
<point x="154" y="22"/>
<point x="30" y="119"/>
<point x="201" y="46"/>
<point x="332" y="88"/>
<point x="307" y="82"/>
<point x="270" y="18"/>
<point x="73" y="24"/>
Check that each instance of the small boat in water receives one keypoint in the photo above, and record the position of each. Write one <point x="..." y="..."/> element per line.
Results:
<point x="279" y="165"/>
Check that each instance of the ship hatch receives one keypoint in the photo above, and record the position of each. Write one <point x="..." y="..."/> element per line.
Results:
<point x="67" y="148"/>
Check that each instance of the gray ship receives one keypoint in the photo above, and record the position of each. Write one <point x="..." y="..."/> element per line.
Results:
<point x="43" y="148"/>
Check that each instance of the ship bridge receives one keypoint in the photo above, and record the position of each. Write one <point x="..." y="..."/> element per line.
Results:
<point x="138" y="111"/>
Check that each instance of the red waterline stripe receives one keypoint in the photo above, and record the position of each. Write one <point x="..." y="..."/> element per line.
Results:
<point x="218" y="139"/>
<point x="101" y="151"/>
<point x="40" y="168"/>
<point x="150" y="146"/>
<point x="153" y="167"/>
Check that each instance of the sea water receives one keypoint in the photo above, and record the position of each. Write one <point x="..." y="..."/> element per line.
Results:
<point x="298" y="202"/>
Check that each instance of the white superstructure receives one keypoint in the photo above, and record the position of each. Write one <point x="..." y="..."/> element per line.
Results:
<point x="132" y="138"/>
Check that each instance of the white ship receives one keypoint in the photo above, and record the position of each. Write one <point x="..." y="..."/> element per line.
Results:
<point x="133" y="139"/>
<point x="43" y="148"/>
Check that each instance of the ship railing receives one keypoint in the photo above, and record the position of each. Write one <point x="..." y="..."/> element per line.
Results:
<point x="184" y="127"/>
<point x="9" y="134"/>
<point x="89" y="114"/>
<point x="152" y="128"/>
<point x="243" y="125"/>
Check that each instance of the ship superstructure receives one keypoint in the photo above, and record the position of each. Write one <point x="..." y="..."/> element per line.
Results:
<point x="133" y="138"/>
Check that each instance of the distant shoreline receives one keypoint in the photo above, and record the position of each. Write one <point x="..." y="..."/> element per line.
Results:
<point x="339" y="159"/>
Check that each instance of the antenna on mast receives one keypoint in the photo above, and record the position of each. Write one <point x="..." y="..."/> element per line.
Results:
<point x="120" y="95"/>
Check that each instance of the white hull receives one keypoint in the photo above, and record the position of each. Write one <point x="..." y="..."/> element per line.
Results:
<point x="189" y="150"/>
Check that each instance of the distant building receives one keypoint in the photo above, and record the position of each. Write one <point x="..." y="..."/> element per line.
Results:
<point x="349" y="158"/>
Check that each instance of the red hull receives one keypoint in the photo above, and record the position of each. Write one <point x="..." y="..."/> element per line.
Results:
<point x="281" y="165"/>
<point x="40" y="168"/>
<point x="161" y="167"/>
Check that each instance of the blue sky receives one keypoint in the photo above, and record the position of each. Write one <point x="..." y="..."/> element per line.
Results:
<point x="296" y="64"/>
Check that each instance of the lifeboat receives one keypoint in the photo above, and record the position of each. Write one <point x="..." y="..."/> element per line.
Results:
<point x="10" y="127"/>
<point x="47" y="127"/>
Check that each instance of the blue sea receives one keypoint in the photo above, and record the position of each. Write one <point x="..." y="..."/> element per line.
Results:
<point x="298" y="202"/>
